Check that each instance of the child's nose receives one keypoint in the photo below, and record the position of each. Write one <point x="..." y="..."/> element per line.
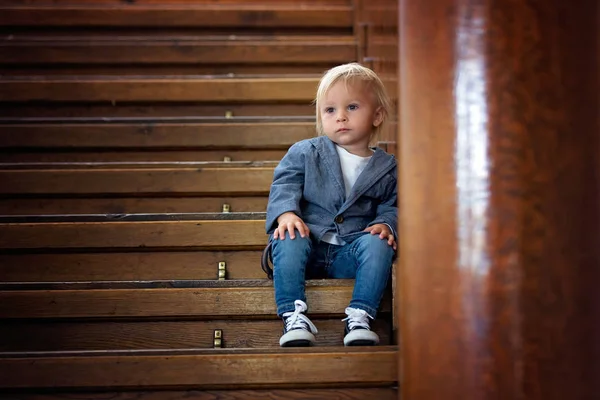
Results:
<point x="341" y="116"/>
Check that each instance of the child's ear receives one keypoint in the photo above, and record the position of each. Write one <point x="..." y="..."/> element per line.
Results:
<point x="378" y="117"/>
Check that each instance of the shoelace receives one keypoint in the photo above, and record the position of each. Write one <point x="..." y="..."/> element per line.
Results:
<point x="296" y="319"/>
<point x="357" y="318"/>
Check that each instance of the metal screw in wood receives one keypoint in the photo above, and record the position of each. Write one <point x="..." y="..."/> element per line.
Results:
<point x="218" y="339"/>
<point x="222" y="271"/>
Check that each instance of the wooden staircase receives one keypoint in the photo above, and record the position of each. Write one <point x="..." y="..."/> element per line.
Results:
<point x="137" y="147"/>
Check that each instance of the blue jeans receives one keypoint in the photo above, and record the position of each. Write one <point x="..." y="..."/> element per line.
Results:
<point x="367" y="259"/>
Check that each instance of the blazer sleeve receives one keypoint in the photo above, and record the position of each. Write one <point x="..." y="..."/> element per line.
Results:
<point x="387" y="211"/>
<point x="287" y="187"/>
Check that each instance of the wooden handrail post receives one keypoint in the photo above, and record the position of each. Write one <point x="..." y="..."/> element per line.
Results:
<point x="499" y="200"/>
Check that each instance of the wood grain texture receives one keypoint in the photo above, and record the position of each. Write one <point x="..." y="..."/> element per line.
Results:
<point x="136" y="180"/>
<point x="143" y="303"/>
<point x="136" y="266"/>
<point x="121" y="51"/>
<point x="215" y="369"/>
<point x="276" y="394"/>
<point x="169" y="234"/>
<point x="154" y="133"/>
<point x="165" y="69"/>
<point x="376" y="26"/>
<point x="68" y="336"/>
<point x="152" y="110"/>
<point x="164" y="89"/>
<point x="140" y="156"/>
<point x="178" y="15"/>
<point x="130" y="205"/>
<point x="499" y="169"/>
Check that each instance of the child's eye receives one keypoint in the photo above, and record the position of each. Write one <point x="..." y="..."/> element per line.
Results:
<point x="353" y="107"/>
<point x="329" y="110"/>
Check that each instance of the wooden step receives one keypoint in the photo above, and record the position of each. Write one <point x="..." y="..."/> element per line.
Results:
<point x="140" y="156"/>
<point x="337" y="14"/>
<point x="118" y="232"/>
<point x="198" y="300"/>
<point x="160" y="88"/>
<point x="154" y="133"/>
<point x="208" y="369"/>
<point x="130" y="205"/>
<point x="129" y="266"/>
<point x="159" y="139"/>
<point x="157" y="50"/>
<point x="343" y="393"/>
<point x="165" y="334"/>
<point x="228" y="70"/>
<point x="139" y="179"/>
<point x="154" y="109"/>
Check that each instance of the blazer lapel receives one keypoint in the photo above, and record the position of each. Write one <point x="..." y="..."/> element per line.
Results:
<point x="379" y="165"/>
<point x="329" y="155"/>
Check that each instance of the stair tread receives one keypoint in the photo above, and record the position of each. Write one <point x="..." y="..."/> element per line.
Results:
<point x="167" y="180"/>
<point x="165" y="284"/>
<point x="195" y="351"/>
<point x="118" y="89"/>
<point x="244" y="333"/>
<point x="209" y="79"/>
<point x="201" y="369"/>
<point x="134" y="217"/>
<point x="130" y="204"/>
<point x="159" y="303"/>
<point x="137" y="164"/>
<point x="258" y="119"/>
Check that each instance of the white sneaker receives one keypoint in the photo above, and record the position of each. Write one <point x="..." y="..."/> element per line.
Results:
<point x="358" y="331"/>
<point x="298" y="331"/>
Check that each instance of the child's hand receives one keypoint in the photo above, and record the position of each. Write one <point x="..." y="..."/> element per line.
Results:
<point x="289" y="222"/>
<point x="384" y="233"/>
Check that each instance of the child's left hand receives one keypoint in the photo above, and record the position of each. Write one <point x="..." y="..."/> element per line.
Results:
<point x="384" y="233"/>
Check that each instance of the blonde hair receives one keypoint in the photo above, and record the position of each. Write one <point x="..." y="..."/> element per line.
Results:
<point x="351" y="73"/>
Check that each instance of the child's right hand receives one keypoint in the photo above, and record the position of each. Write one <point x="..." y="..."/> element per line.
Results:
<point x="290" y="222"/>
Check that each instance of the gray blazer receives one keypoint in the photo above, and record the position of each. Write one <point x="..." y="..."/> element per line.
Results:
<point x="308" y="181"/>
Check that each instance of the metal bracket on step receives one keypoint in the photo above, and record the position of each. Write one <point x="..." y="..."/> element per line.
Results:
<point x="222" y="271"/>
<point x="218" y="339"/>
<point x="226" y="208"/>
<point x="228" y="114"/>
<point x="226" y="159"/>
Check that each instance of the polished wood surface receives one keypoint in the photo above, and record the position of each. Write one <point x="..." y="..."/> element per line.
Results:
<point x="125" y="111"/>
<point x="132" y="234"/>
<point x="139" y="335"/>
<point x="162" y="88"/>
<point x="142" y="14"/>
<point x="166" y="179"/>
<point x="129" y="266"/>
<point x="226" y="300"/>
<point x="208" y="369"/>
<point x="177" y="49"/>
<point x="275" y="394"/>
<point x="376" y="24"/>
<point x="128" y="205"/>
<point x="155" y="133"/>
<point x="500" y="187"/>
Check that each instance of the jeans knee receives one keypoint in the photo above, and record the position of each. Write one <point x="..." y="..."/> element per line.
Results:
<point x="376" y="250"/>
<point x="298" y="247"/>
<point x="374" y="244"/>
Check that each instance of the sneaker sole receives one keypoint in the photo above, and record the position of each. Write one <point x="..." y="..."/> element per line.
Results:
<point x="361" y="343"/>
<point x="296" y="343"/>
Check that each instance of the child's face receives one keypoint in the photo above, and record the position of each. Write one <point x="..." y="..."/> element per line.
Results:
<point x="349" y="115"/>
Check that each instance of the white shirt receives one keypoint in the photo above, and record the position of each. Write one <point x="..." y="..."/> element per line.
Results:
<point x="352" y="166"/>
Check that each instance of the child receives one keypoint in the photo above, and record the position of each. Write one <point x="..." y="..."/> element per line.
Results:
<point x="332" y="207"/>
